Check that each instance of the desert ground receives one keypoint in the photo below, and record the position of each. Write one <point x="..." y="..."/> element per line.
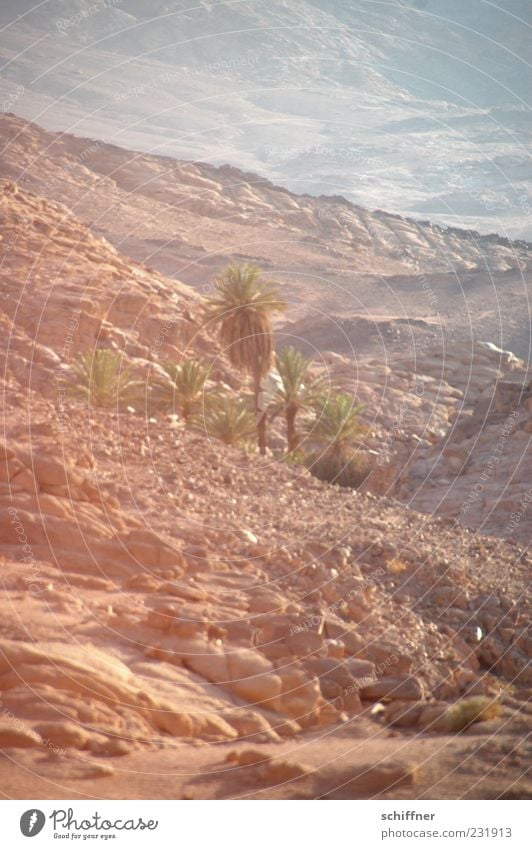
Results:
<point x="185" y="619"/>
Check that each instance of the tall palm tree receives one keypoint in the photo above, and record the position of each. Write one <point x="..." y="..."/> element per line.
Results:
<point x="242" y="306"/>
<point x="185" y="387"/>
<point x="228" y="419"/>
<point x="298" y="391"/>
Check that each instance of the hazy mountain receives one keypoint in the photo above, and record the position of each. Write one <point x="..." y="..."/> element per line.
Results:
<point x="332" y="258"/>
<point x="416" y="107"/>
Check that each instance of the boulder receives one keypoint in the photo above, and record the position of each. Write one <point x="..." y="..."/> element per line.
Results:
<point x="250" y="724"/>
<point x="304" y="642"/>
<point x="404" y="714"/>
<point x="252" y="676"/>
<point x="65" y="734"/>
<point x="14" y="734"/>
<point x="300" y="696"/>
<point x="360" y="669"/>
<point x="405" y="687"/>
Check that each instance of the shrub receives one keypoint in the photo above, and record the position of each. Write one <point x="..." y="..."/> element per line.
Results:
<point x="228" y="419"/>
<point x="350" y="472"/>
<point x="469" y="710"/>
<point x="101" y="377"/>
<point x="184" y="389"/>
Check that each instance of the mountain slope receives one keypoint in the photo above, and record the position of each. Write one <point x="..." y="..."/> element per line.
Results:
<point x="172" y="602"/>
<point x="188" y="219"/>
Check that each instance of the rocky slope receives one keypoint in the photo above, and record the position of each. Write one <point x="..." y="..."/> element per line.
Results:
<point x="176" y="607"/>
<point x="449" y="431"/>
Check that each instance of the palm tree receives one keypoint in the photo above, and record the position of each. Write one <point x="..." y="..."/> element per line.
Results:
<point x="337" y="427"/>
<point x="101" y="378"/>
<point x="228" y="419"/>
<point x="335" y="433"/>
<point x="242" y="306"/>
<point x="298" y="391"/>
<point x="185" y="387"/>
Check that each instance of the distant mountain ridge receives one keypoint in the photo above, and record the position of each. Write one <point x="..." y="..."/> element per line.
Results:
<point x="418" y="107"/>
<point x="188" y="219"/>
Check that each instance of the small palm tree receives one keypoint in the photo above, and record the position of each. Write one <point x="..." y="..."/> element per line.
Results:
<point x="228" y="419"/>
<point x="298" y="391"/>
<point x="242" y="306"/>
<point x="335" y="434"/>
<point x="101" y="377"/>
<point x="337" y="427"/>
<point x="184" y="389"/>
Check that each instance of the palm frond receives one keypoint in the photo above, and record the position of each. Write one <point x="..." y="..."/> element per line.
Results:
<point x="298" y="388"/>
<point x="101" y="377"/>
<point x="242" y="307"/>
<point x="184" y="388"/>
<point x="337" y="427"/>
<point x="298" y="391"/>
<point x="228" y="419"/>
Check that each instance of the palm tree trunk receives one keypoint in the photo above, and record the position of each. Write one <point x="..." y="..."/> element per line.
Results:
<point x="291" y="435"/>
<point x="260" y="415"/>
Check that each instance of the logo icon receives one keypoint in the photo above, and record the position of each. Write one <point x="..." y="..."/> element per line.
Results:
<point x="32" y="822"/>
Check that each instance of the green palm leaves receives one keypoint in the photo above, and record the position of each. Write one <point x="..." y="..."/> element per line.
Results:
<point x="228" y="419"/>
<point x="298" y="392"/>
<point x="101" y="377"/>
<point x="242" y="307"/>
<point x="322" y="428"/>
<point x="184" y="389"/>
<point x="337" y="427"/>
<point x="335" y="435"/>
